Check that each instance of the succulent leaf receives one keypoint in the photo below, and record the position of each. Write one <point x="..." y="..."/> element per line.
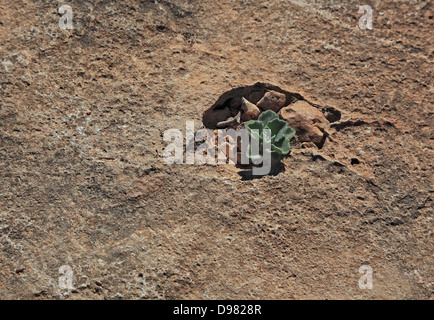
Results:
<point x="280" y="136"/>
<point x="289" y="133"/>
<point x="267" y="116"/>
<point x="278" y="128"/>
<point x="255" y="128"/>
<point x="282" y="146"/>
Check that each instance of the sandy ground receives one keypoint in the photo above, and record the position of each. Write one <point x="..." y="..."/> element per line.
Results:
<point x="84" y="184"/>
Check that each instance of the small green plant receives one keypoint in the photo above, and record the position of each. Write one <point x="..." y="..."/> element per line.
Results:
<point x="281" y="134"/>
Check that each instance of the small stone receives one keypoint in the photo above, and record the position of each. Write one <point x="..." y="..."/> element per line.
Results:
<point x="224" y="124"/>
<point x="272" y="100"/>
<point x="231" y="122"/>
<point x="308" y="122"/>
<point x="251" y="111"/>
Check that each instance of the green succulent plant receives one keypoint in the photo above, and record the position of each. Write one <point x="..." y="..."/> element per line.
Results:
<point x="281" y="134"/>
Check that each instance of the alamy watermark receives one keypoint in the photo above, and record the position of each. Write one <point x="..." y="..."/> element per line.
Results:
<point x="365" y="281"/>
<point x="220" y="148"/>
<point x="365" y="22"/>
<point x="65" y="21"/>
<point x="65" y="281"/>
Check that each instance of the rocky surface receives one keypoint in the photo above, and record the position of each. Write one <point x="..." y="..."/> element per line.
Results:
<point x="308" y="121"/>
<point x="84" y="184"/>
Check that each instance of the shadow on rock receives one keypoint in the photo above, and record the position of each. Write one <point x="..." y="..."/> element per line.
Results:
<point x="247" y="173"/>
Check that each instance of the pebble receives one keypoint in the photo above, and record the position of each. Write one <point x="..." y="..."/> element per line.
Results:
<point x="251" y="111"/>
<point x="272" y="100"/>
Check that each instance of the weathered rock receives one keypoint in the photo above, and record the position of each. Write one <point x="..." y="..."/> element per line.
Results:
<point x="272" y="100"/>
<point x="251" y="111"/>
<point x="81" y="153"/>
<point x="307" y="121"/>
<point x="230" y="122"/>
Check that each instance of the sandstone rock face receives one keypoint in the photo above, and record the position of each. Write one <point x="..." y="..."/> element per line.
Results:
<point x="272" y="100"/>
<point x="83" y="180"/>
<point x="307" y="121"/>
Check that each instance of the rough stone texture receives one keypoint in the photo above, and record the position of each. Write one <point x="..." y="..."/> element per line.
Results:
<point x="251" y="111"/>
<point x="272" y="100"/>
<point x="83" y="182"/>
<point x="308" y="122"/>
